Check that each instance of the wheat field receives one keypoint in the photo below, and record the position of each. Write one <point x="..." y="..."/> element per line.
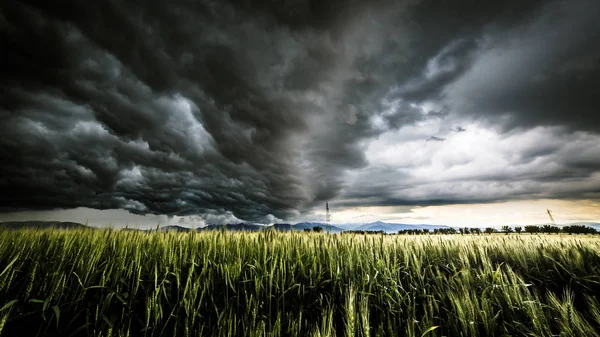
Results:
<point x="121" y="283"/>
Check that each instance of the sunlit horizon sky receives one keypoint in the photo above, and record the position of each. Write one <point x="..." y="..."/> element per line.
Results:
<point x="459" y="113"/>
<point x="519" y="213"/>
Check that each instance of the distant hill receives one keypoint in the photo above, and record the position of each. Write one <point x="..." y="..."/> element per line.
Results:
<point x="286" y="227"/>
<point x="129" y="229"/>
<point x="375" y="226"/>
<point x="390" y="228"/>
<point x="348" y="226"/>
<point x="42" y="225"/>
<point x="174" y="229"/>
<point x="326" y="228"/>
<point x="395" y="227"/>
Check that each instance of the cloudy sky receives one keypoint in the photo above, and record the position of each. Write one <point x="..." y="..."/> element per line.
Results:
<point x="192" y="112"/>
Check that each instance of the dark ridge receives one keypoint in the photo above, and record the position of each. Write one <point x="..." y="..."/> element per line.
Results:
<point x="42" y="225"/>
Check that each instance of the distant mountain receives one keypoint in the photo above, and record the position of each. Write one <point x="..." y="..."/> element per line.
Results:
<point x="42" y="225"/>
<point x="129" y="229"/>
<point x="348" y="226"/>
<point x="174" y="229"/>
<point x="387" y="227"/>
<point x="395" y="227"/>
<point x="326" y="228"/>
<point x="285" y="227"/>
<point x="245" y="227"/>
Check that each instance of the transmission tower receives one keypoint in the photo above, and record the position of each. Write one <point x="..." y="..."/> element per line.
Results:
<point x="327" y="216"/>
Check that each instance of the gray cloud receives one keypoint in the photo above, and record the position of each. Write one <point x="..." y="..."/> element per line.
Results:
<point x="240" y="110"/>
<point x="539" y="163"/>
<point x="540" y="72"/>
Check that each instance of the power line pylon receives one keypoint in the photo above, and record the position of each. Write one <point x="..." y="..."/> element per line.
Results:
<point x="327" y="217"/>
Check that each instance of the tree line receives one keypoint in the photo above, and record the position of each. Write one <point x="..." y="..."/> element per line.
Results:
<point x="531" y="229"/>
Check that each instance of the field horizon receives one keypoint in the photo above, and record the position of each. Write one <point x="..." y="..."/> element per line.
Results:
<point x="387" y="227"/>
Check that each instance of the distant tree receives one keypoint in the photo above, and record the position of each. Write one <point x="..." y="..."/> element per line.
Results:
<point x="506" y="229"/>
<point x="550" y="229"/>
<point x="489" y="230"/>
<point x="578" y="229"/>
<point x="317" y="229"/>
<point x="476" y="231"/>
<point x="306" y="230"/>
<point x="416" y="231"/>
<point x="532" y="229"/>
<point x="413" y="231"/>
<point x="364" y="232"/>
<point x="461" y="231"/>
<point x="466" y="230"/>
<point x="518" y="229"/>
<point x="450" y="230"/>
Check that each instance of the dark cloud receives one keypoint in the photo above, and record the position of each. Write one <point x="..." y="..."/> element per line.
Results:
<point x="259" y="109"/>
<point x="542" y="71"/>
<point x="178" y="109"/>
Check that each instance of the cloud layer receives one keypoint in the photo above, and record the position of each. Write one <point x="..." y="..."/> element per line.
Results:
<point x="263" y="110"/>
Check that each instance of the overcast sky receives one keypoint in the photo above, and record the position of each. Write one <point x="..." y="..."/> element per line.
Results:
<point x="206" y="111"/>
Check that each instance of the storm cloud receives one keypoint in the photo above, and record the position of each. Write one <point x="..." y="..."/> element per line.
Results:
<point x="261" y="111"/>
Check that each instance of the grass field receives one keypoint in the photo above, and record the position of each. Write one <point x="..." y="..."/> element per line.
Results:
<point x="118" y="283"/>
